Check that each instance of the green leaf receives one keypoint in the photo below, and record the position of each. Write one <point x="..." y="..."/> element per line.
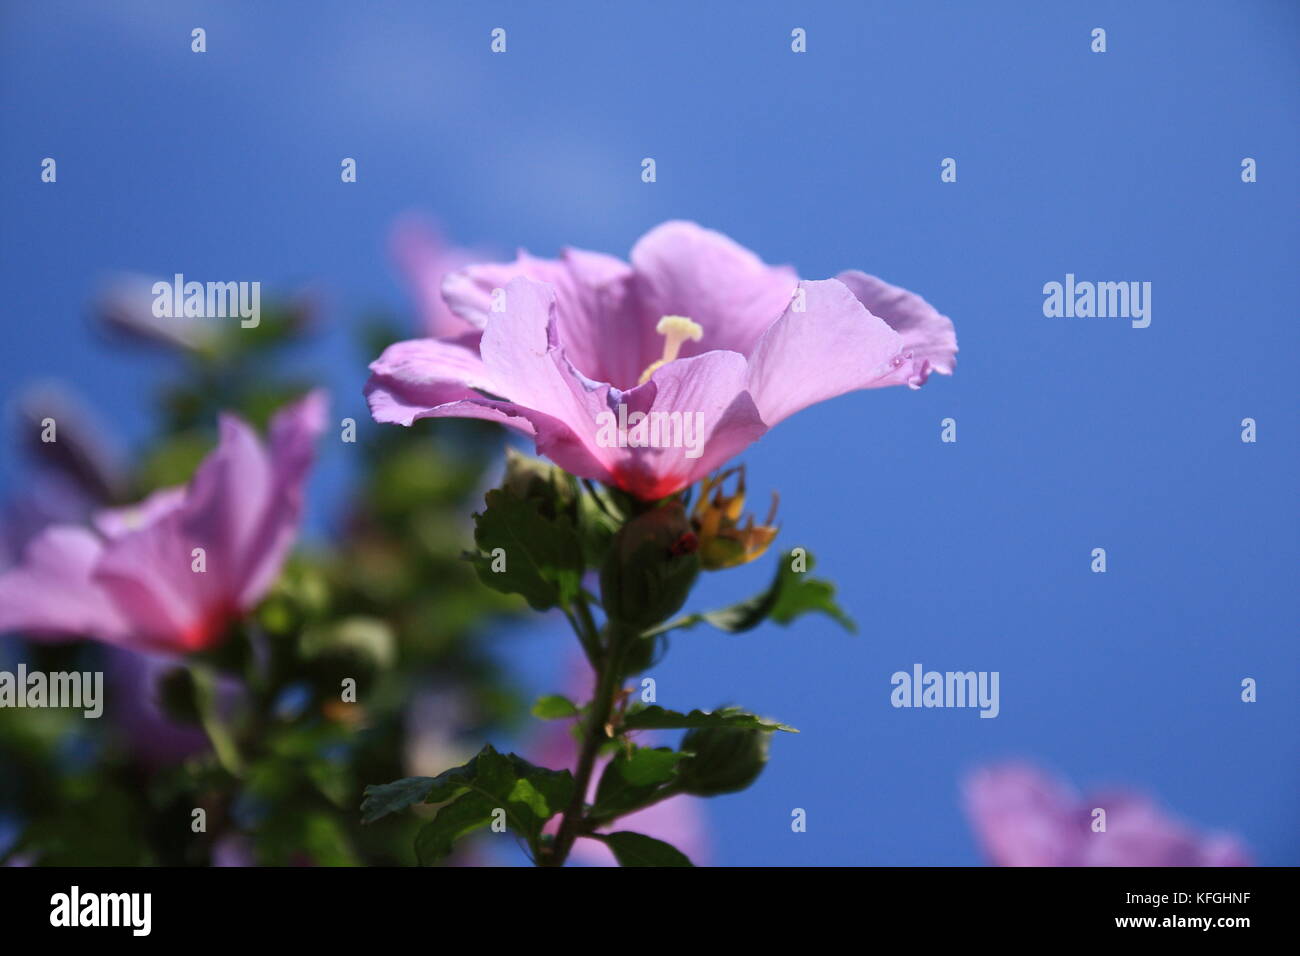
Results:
<point x="382" y="799"/>
<point x="556" y="493"/>
<point x="524" y="792"/>
<point x="648" y="765"/>
<point x="466" y="813"/>
<point x="632" y="779"/>
<point x="555" y="786"/>
<point x="521" y="551"/>
<point x="655" y="717"/>
<point x="637" y="849"/>
<point x="791" y="594"/>
<point x="505" y="779"/>
<point x="528" y="794"/>
<point x="554" y="707"/>
<point x="385" y="798"/>
<point x="802" y="595"/>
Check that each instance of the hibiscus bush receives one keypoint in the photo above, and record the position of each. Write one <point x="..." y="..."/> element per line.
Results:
<point x="267" y="686"/>
<point x="606" y="365"/>
<point x="225" y="689"/>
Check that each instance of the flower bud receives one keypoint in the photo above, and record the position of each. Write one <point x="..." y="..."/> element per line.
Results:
<point x="532" y="479"/>
<point x="557" y="495"/>
<point x="723" y="760"/>
<point x="650" y="568"/>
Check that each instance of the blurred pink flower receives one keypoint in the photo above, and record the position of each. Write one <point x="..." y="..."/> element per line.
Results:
<point x="425" y="258"/>
<point x="135" y="583"/>
<point x="50" y="499"/>
<point x="1023" y="817"/>
<point x="696" y="325"/>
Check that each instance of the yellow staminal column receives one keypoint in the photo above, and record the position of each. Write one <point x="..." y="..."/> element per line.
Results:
<point x="676" y="330"/>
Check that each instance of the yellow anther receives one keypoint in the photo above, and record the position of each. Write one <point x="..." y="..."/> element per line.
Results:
<point x="675" y="329"/>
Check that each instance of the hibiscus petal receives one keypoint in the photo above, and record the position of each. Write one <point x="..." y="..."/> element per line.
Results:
<point x="51" y="593"/>
<point x="292" y="437"/>
<point x="685" y="269"/>
<point x="115" y="522"/>
<point x="148" y="575"/>
<point x="715" y="420"/>
<point x="547" y="397"/>
<point x="242" y="509"/>
<point x="414" y="376"/>
<point x="431" y="379"/>
<point x="224" y="508"/>
<point x="520" y="351"/>
<point x="594" y="308"/>
<point x="602" y="330"/>
<point x="468" y="292"/>
<point x="1023" y="817"/>
<point x="831" y="347"/>
<point x="150" y="572"/>
<point x="1139" y="832"/>
<point x="927" y="334"/>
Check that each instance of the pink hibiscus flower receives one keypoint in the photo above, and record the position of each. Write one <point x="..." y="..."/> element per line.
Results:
<point x="172" y="572"/>
<point x="1023" y="817"/>
<point x="696" y="326"/>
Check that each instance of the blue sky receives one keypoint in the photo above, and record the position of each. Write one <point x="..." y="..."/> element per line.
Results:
<point x="1072" y="433"/>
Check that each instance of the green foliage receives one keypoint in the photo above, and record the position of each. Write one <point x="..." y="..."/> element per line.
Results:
<point x="382" y="799"/>
<point x="554" y="707"/>
<point x="392" y="604"/>
<point x="390" y="601"/>
<point x="655" y="717"/>
<point x="467" y="813"/>
<point x="596" y="517"/>
<point x="528" y="796"/>
<point x="633" y="778"/>
<point x="790" y="595"/>
<point x="521" y="551"/>
<point x="637" y="849"/>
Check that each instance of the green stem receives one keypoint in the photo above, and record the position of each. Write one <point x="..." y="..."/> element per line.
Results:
<point x="584" y="626"/>
<point x="588" y="625"/>
<point x="608" y="670"/>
